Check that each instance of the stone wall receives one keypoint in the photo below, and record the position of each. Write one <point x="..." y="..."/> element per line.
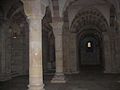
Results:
<point x="19" y="62"/>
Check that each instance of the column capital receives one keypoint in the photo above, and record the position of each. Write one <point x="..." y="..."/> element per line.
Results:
<point x="57" y="24"/>
<point x="34" y="9"/>
<point x="33" y="17"/>
<point x="57" y="27"/>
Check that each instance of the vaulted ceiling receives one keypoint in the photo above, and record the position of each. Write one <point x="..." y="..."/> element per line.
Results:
<point x="58" y="7"/>
<point x="64" y="4"/>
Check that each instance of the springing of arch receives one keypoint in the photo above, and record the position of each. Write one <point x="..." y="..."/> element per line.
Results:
<point x="17" y="18"/>
<point x="87" y="17"/>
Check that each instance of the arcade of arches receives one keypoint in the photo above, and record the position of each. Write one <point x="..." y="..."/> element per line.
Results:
<point x="58" y="38"/>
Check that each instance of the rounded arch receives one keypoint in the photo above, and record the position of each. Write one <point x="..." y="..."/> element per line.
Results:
<point x="89" y="30"/>
<point x="94" y="35"/>
<point x="90" y="16"/>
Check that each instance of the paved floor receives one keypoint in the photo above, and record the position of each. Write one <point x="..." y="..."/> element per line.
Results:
<point x="84" y="81"/>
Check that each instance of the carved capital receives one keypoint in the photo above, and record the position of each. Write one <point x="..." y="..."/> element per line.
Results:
<point x="57" y="27"/>
<point x="34" y="8"/>
<point x="57" y="24"/>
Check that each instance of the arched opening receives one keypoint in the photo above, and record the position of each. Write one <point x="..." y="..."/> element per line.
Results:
<point x="88" y="28"/>
<point x="90" y="51"/>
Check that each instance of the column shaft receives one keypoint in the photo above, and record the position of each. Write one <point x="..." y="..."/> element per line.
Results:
<point x="35" y="55"/>
<point x="59" y="75"/>
<point x="59" y="54"/>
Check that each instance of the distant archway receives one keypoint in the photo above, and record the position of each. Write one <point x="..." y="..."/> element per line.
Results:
<point x="92" y="23"/>
<point x="90" y="44"/>
<point x="87" y="17"/>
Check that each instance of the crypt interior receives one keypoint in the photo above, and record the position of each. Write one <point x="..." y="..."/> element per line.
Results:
<point x="59" y="45"/>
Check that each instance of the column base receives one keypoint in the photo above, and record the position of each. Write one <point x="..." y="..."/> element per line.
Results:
<point x="58" y="78"/>
<point x="36" y="87"/>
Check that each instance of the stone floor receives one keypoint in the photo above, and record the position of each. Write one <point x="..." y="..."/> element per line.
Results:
<point x="83" y="81"/>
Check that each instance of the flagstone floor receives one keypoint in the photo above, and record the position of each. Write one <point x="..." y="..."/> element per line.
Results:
<point x="83" y="81"/>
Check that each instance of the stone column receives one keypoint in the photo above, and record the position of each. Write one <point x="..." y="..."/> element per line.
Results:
<point x="35" y="55"/>
<point x="52" y="52"/>
<point x="33" y="11"/>
<point x="59" y="75"/>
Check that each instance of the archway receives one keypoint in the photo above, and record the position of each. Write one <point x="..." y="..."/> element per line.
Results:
<point x="90" y="44"/>
<point x="90" y="23"/>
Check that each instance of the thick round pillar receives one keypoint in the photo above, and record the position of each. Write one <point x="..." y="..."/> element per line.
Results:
<point x="34" y="13"/>
<point x="35" y="54"/>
